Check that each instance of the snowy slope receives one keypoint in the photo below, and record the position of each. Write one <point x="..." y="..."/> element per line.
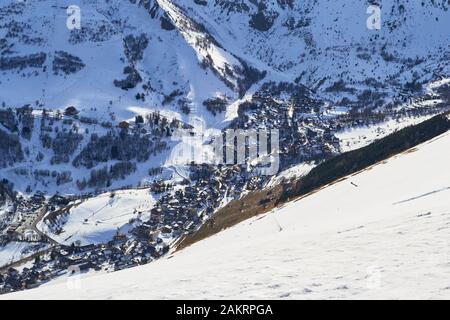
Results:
<point x="382" y="233"/>
<point x="309" y="68"/>
<point x="210" y="46"/>
<point x="168" y="64"/>
<point x="359" y="137"/>
<point x="321" y="42"/>
<point x="98" y="219"/>
<point x="195" y="51"/>
<point x="15" y="251"/>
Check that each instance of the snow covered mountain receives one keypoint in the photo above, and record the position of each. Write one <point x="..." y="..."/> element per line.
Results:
<point x="205" y="63"/>
<point x="392" y="243"/>
<point x="98" y="98"/>
<point x="173" y="46"/>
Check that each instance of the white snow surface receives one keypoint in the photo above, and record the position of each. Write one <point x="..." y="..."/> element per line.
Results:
<point x="310" y="40"/>
<point x="381" y="233"/>
<point x="358" y="137"/>
<point x="15" y="251"/>
<point x="314" y="42"/>
<point x="296" y="171"/>
<point x="98" y="219"/>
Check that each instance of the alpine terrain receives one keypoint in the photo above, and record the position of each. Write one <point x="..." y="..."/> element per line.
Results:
<point x="133" y="132"/>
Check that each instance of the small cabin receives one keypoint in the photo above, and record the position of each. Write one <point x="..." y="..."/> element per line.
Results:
<point x="124" y="125"/>
<point x="71" y="111"/>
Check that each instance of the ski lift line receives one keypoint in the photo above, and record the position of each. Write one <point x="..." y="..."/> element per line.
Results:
<point x="98" y="210"/>
<point x="118" y="216"/>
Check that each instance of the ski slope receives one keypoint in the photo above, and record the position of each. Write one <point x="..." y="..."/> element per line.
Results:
<point x="15" y="251"/>
<point x="381" y="233"/>
<point x="99" y="219"/>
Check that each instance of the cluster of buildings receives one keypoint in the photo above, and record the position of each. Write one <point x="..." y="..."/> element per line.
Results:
<point x="120" y="253"/>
